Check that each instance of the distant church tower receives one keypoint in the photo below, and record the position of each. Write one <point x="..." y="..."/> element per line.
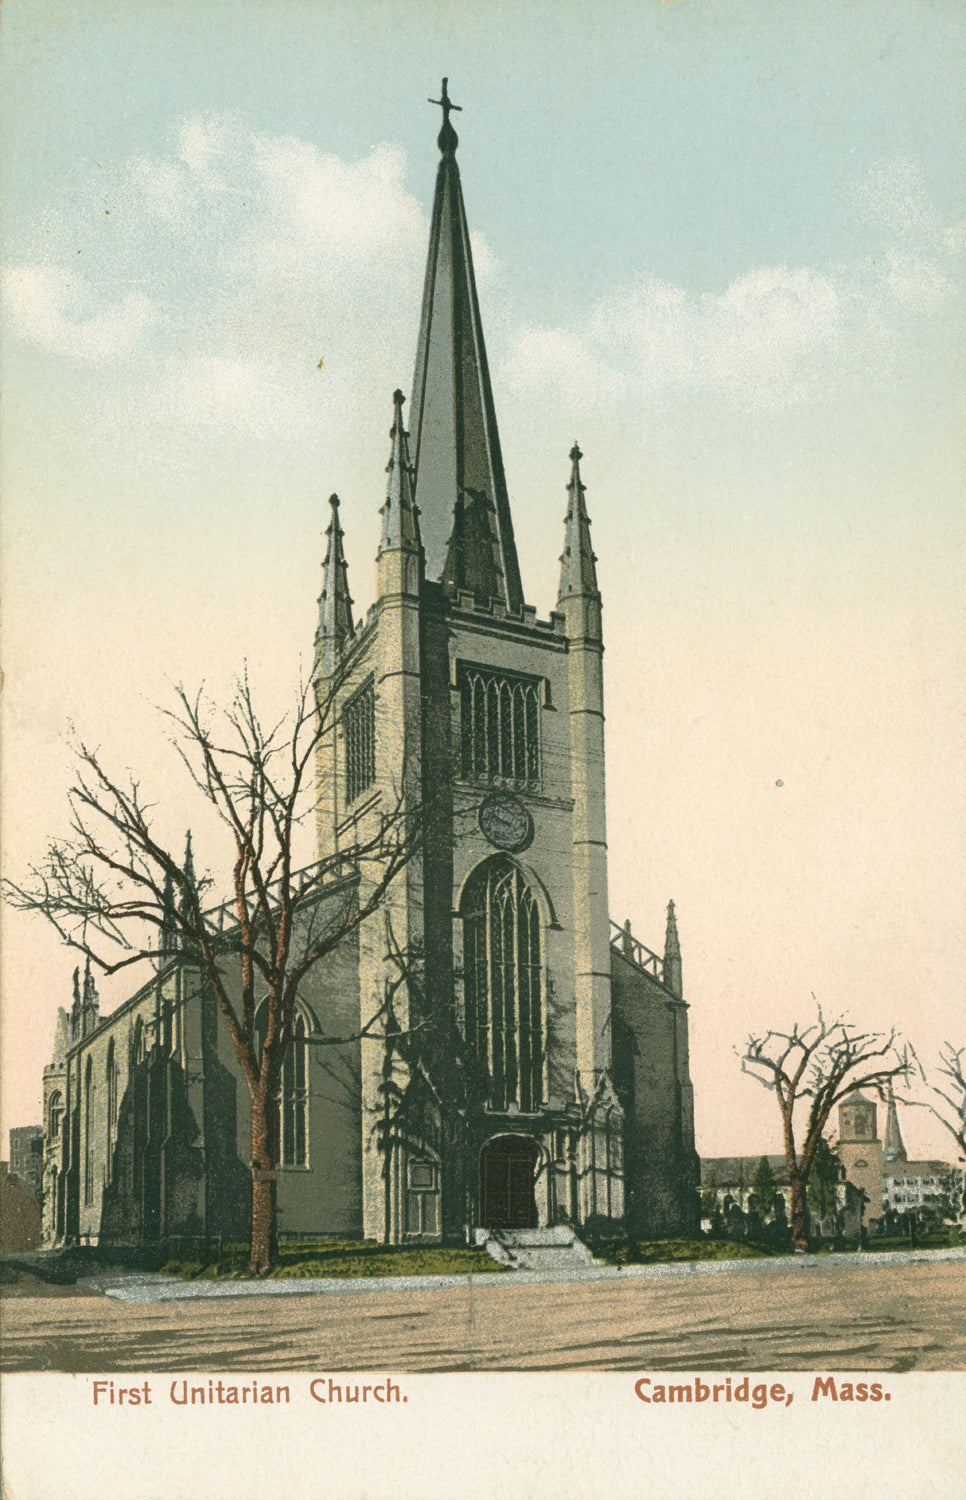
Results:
<point x="860" y="1150"/>
<point x="494" y="1104"/>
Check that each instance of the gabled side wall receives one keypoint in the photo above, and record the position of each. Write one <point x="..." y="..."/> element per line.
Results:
<point x="652" y="1080"/>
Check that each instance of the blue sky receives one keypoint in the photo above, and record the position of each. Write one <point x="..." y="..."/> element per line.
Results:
<point x="721" y="244"/>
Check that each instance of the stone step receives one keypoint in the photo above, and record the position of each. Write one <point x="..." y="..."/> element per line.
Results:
<point x="555" y="1248"/>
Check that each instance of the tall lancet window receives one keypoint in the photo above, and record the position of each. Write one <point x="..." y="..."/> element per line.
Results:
<point x="502" y="983"/>
<point x="112" y="1107"/>
<point x="292" y="1099"/>
<point x="89" y="1132"/>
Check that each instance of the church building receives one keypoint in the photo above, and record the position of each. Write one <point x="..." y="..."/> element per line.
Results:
<point x="535" y="1071"/>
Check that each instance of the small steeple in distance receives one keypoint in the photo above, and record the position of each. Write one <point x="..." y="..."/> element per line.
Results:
<point x="335" y="605"/>
<point x="460" y="482"/>
<point x="400" y="518"/>
<point x="672" y="954"/>
<point x="893" y="1146"/>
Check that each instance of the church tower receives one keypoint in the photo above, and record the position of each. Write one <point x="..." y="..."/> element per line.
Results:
<point x="860" y="1150"/>
<point x="485" y="982"/>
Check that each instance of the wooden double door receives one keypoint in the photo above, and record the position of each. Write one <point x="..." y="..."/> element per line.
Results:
<point x="507" y="1171"/>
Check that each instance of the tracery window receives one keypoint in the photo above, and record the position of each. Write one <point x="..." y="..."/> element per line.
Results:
<point x="112" y="1105"/>
<point x="502" y="983"/>
<point x="89" y="1133"/>
<point x="292" y="1098"/>
<point x="293" y="1102"/>
<point x="359" y="725"/>
<point x="499" y="726"/>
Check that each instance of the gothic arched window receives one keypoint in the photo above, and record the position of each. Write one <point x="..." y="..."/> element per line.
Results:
<point x="89" y="1132"/>
<point x="292" y="1099"/>
<point x="55" y="1114"/>
<point x="502" y="983"/>
<point x="112" y="1103"/>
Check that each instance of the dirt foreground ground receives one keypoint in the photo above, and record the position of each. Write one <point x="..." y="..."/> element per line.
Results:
<point x="894" y="1315"/>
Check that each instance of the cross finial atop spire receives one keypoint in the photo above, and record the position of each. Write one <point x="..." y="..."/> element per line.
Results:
<point x="447" y="140"/>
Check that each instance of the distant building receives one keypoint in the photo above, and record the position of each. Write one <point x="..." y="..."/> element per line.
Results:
<point x="27" y="1158"/>
<point x="860" y="1152"/>
<point x="891" y="1182"/>
<point x="731" y="1177"/>
<point x="20" y="1226"/>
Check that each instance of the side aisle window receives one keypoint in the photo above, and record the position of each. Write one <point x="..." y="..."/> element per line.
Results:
<point x="359" y="724"/>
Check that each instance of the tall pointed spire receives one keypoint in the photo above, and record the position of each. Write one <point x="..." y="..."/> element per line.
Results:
<point x="335" y="605"/>
<point x="893" y="1146"/>
<point x="400" y="518"/>
<point x="460" y="483"/>
<point x="672" y="954"/>
<point x="578" y="575"/>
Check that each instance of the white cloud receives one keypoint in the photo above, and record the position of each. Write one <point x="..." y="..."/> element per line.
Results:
<point x="207" y="140"/>
<point x="764" y="341"/>
<point x="249" y="397"/>
<point x="776" y="337"/>
<point x="61" y="312"/>
<point x="253" y="257"/>
<point x="916" y="281"/>
<point x="893" y="194"/>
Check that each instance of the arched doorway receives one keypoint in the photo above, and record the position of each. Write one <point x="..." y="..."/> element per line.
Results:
<point x="507" y="1167"/>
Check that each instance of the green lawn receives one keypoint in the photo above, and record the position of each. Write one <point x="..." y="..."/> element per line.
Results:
<point x="656" y="1252"/>
<point x="344" y="1259"/>
<point x="339" y="1259"/>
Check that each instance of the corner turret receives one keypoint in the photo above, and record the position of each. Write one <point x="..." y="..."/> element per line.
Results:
<point x="672" y="954"/>
<point x="75" y="1010"/>
<point x="578" y="598"/>
<point x="168" y="936"/>
<point x="336" y="629"/>
<point x="90" y="1017"/>
<point x="400" y="547"/>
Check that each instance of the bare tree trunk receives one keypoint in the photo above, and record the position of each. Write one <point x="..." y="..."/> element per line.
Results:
<point x="797" y="1206"/>
<point x="798" y="1210"/>
<point x="264" y="1231"/>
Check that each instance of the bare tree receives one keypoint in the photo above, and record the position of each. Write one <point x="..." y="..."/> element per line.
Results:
<point x="114" y="891"/>
<point x="812" y="1069"/>
<point x="950" y="1110"/>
